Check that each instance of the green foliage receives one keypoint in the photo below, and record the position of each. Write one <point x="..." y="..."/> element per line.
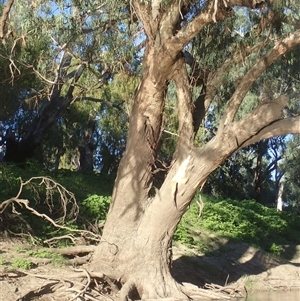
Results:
<point x="96" y="207"/>
<point x="246" y="221"/>
<point x="2" y="261"/>
<point x="56" y="259"/>
<point x="275" y="249"/>
<point x="182" y="235"/>
<point x="21" y="263"/>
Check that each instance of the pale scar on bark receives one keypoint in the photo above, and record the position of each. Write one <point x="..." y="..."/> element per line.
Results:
<point x="180" y="178"/>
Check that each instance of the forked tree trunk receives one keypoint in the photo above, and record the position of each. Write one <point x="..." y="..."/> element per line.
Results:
<point x="136" y="240"/>
<point x="136" y="243"/>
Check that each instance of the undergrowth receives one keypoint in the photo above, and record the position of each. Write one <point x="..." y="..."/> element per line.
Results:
<point x="246" y="221"/>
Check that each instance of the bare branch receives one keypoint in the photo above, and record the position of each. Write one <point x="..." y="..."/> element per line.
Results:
<point x="259" y="118"/>
<point x="65" y="197"/>
<point x="278" y="128"/>
<point x="187" y="33"/>
<point x="255" y="72"/>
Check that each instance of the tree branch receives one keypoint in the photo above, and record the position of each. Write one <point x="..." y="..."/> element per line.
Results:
<point x="143" y="15"/>
<point x="185" y="105"/>
<point x="259" y="118"/>
<point x="170" y="18"/>
<point x="255" y="72"/>
<point x="4" y="17"/>
<point x="106" y="102"/>
<point x="155" y="8"/>
<point x="277" y="128"/>
<point x="78" y="72"/>
<point x="246" y="3"/>
<point x="207" y="16"/>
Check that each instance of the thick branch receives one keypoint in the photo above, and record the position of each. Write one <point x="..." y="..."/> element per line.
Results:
<point x="142" y="11"/>
<point x="155" y="8"/>
<point x="4" y="17"/>
<point x="255" y="72"/>
<point x="78" y="72"/>
<point x="277" y="128"/>
<point x="259" y="118"/>
<point x="171" y="18"/>
<point x="207" y="16"/>
<point x="185" y="105"/>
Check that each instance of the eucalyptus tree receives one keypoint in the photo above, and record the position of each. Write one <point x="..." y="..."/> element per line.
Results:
<point x="71" y="49"/>
<point x="194" y="46"/>
<point x="289" y="169"/>
<point x="136" y="241"/>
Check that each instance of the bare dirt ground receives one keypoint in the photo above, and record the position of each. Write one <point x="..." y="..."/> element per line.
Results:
<point x="233" y="264"/>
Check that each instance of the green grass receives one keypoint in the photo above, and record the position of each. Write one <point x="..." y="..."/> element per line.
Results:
<point x="2" y="261"/>
<point x="56" y="259"/>
<point x="21" y="263"/>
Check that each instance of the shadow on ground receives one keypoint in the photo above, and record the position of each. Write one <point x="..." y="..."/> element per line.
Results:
<point x="229" y="263"/>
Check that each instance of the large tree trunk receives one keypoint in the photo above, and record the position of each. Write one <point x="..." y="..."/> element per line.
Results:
<point x="136" y="242"/>
<point x="135" y="246"/>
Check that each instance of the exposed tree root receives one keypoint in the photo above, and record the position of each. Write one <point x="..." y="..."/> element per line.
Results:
<point x="74" y="250"/>
<point x="80" y="284"/>
<point x="237" y="292"/>
<point x="210" y="293"/>
<point x="83" y="285"/>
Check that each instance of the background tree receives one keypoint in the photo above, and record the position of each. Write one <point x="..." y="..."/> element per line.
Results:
<point x="290" y="169"/>
<point x="75" y="49"/>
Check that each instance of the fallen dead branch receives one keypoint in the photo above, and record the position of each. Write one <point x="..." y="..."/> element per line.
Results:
<point x="236" y="292"/>
<point x="54" y="194"/>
